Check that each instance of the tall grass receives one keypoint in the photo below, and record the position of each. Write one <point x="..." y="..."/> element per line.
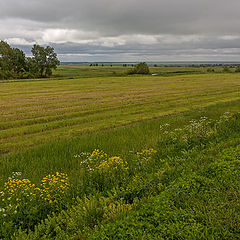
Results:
<point x="188" y="188"/>
<point x="59" y="155"/>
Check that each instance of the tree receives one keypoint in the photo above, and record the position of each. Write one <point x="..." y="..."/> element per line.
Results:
<point x="44" y="60"/>
<point x="14" y="64"/>
<point x="12" y="61"/>
<point x="6" y="56"/>
<point x="140" y="68"/>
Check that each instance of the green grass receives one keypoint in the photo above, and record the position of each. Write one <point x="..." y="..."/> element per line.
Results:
<point x="199" y="196"/>
<point x="188" y="190"/>
<point x="58" y="155"/>
<point x="36" y="111"/>
<point x="46" y="124"/>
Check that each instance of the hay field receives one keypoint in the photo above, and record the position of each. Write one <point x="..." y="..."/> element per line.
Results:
<point x="37" y="111"/>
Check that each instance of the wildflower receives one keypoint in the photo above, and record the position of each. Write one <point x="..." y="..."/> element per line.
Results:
<point x="96" y="158"/>
<point x="113" y="163"/>
<point x="53" y="186"/>
<point x="146" y="154"/>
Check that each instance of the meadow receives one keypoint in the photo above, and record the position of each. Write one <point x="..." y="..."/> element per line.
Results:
<point x="95" y="154"/>
<point x="37" y="111"/>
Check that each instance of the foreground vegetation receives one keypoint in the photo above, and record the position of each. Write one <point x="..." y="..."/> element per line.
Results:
<point x="187" y="187"/>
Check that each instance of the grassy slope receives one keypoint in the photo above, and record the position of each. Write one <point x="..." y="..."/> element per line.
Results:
<point x="199" y="196"/>
<point x="58" y="155"/>
<point x="197" y="204"/>
<point x="189" y="190"/>
<point x="36" y="111"/>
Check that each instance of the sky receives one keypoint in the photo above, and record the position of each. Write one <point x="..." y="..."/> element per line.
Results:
<point x="125" y="30"/>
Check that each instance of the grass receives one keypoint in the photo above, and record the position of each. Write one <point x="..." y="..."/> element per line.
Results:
<point x="58" y="155"/>
<point x="53" y="124"/>
<point x="38" y="111"/>
<point x="199" y="196"/>
<point x="188" y="190"/>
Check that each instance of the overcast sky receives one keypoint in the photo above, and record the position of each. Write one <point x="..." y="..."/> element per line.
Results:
<point x="125" y="30"/>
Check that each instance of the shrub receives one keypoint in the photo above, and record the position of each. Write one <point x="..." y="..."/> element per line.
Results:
<point x="226" y="69"/>
<point x="23" y="204"/>
<point x="237" y="69"/>
<point x="140" y="68"/>
<point x="210" y="70"/>
<point x="76" y="222"/>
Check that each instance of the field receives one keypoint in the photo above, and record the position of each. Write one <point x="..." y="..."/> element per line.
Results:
<point x="93" y="153"/>
<point x="37" y="111"/>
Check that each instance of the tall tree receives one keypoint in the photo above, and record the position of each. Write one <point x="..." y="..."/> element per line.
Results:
<point x="44" y="59"/>
<point x="12" y="60"/>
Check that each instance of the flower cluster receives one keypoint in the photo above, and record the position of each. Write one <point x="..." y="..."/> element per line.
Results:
<point x="17" y="189"/>
<point x="225" y="117"/>
<point x="96" y="158"/>
<point x="197" y="126"/>
<point x="99" y="160"/>
<point x="15" y="175"/>
<point x="113" y="163"/>
<point x="146" y="154"/>
<point x="82" y="154"/>
<point x="54" y="186"/>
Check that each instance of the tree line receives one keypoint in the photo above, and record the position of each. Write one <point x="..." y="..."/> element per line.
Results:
<point x="15" y="65"/>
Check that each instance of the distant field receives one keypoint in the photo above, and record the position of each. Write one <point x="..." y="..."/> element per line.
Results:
<point x="91" y="99"/>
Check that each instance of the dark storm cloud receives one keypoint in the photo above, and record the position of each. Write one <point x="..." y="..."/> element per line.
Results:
<point x="126" y="28"/>
<point x="130" y="16"/>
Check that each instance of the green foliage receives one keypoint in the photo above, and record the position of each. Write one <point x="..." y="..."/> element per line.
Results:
<point x="157" y="219"/>
<point x="226" y="69"/>
<point x="14" y="64"/>
<point x="210" y="70"/>
<point x="237" y="69"/>
<point x="190" y="194"/>
<point x="23" y="204"/>
<point x="140" y="68"/>
<point x="44" y="60"/>
<point x="84" y="216"/>
<point x="199" y="201"/>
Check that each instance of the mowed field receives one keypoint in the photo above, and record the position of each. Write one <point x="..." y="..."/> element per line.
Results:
<point x="37" y="111"/>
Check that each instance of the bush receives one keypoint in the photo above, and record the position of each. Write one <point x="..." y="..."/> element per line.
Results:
<point x="226" y="69"/>
<point x="210" y="70"/>
<point x="237" y="69"/>
<point x="23" y="204"/>
<point x="76" y="222"/>
<point x="140" y="68"/>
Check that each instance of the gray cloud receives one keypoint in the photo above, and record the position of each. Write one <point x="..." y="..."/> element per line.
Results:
<point x="128" y="29"/>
